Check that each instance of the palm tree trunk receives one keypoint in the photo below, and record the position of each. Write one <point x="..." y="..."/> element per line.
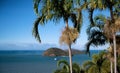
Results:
<point x="91" y="16"/>
<point x="70" y="58"/>
<point x="111" y="66"/>
<point x="70" y="52"/>
<point x="115" y="62"/>
<point x="111" y="14"/>
<point x="66" y="23"/>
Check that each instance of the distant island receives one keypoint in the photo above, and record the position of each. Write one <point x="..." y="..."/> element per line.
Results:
<point x="60" y="52"/>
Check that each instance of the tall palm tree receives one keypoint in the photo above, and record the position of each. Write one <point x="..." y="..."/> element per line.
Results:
<point x="107" y="31"/>
<point x="103" y="34"/>
<point x="99" y="64"/>
<point x="56" y="10"/>
<point x="113" y="6"/>
<point x="68" y="36"/>
<point x="103" y="4"/>
<point x="113" y="28"/>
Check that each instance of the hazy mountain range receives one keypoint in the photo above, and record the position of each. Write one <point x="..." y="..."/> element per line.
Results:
<point x="26" y="46"/>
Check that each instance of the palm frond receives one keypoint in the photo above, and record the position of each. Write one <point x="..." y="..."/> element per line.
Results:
<point x="36" y="5"/>
<point x="68" y="35"/>
<point x="65" y="65"/>
<point x="79" y="21"/>
<point x="98" y="37"/>
<point x="35" y="32"/>
<point x="97" y="64"/>
<point x="76" y="68"/>
<point x="73" y="19"/>
<point x="95" y="38"/>
<point x="62" y="62"/>
<point x="93" y="69"/>
<point x="87" y="64"/>
<point x="99" y="21"/>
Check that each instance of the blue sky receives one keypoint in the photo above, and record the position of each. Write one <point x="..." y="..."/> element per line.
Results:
<point x="16" y="23"/>
<point x="16" y="20"/>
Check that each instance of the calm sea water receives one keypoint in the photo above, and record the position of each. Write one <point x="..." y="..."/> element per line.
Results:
<point x="33" y="61"/>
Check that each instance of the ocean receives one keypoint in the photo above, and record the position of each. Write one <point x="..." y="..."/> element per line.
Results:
<point x="33" y="61"/>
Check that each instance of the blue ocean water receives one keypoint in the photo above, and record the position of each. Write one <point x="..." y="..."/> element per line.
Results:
<point x="33" y="61"/>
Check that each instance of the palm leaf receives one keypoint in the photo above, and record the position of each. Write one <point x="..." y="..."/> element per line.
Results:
<point x="76" y="68"/>
<point x="68" y="35"/>
<point x="99" y="21"/>
<point x="35" y="32"/>
<point x="87" y="65"/>
<point x="65" y="65"/>
<point x="36" y="5"/>
<point x="93" y="69"/>
<point x="95" y="38"/>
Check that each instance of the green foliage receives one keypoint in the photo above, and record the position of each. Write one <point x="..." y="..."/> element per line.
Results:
<point x="76" y="68"/>
<point x="99" y="64"/>
<point x="112" y="5"/>
<point x="36" y="4"/>
<point x="64" y="67"/>
<point x="95" y="33"/>
<point x="55" y="10"/>
<point x="35" y="29"/>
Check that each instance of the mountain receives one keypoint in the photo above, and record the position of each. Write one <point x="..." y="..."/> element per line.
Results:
<point x="60" y="52"/>
<point x="55" y="52"/>
<point x="25" y="46"/>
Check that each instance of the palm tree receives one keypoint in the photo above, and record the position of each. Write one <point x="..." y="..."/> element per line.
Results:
<point x="106" y="31"/>
<point x="100" y="4"/>
<point x="109" y="5"/>
<point x="99" y="64"/>
<point x="113" y="28"/>
<point x="99" y="37"/>
<point x="68" y="36"/>
<point x="109" y="30"/>
<point x="56" y="10"/>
